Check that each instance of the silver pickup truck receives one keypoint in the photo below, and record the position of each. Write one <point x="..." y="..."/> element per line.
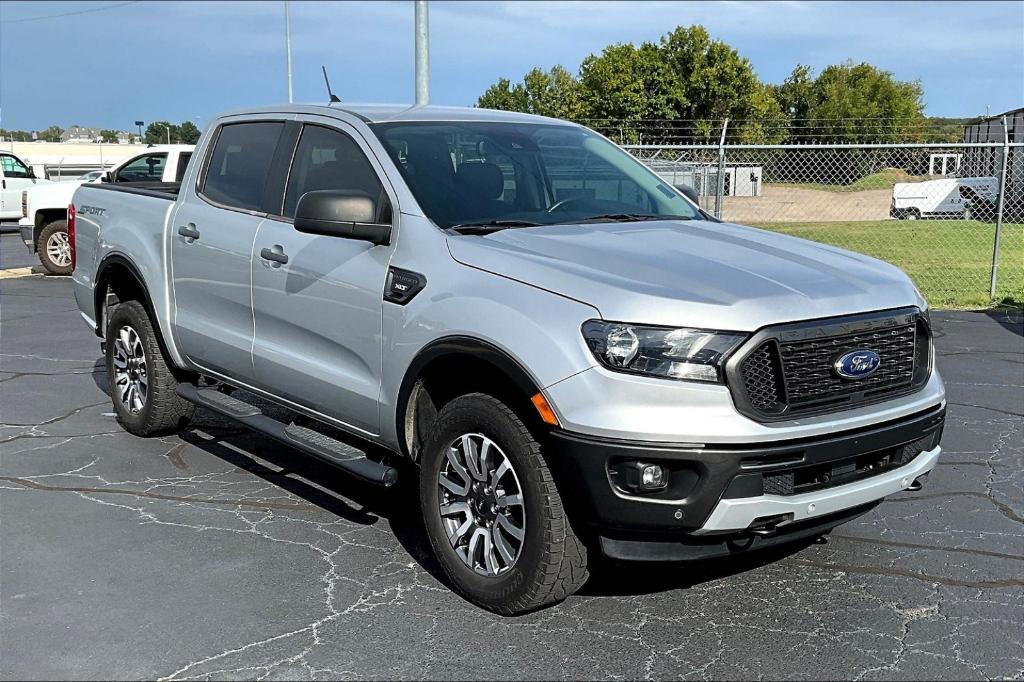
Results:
<point x="571" y="356"/>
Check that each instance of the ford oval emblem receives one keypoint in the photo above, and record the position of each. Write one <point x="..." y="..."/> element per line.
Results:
<point x="857" y="364"/>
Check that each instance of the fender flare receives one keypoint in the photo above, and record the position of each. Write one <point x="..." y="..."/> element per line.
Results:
<point x="459" y="345"/>
<point x="100" y="294"/>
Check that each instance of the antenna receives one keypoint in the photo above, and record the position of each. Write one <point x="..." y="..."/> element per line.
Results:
<point x="334" y="98"/>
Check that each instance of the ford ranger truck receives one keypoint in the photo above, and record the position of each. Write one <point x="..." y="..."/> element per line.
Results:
<point x="44" y="209"/>
<point x="574" y="358"/>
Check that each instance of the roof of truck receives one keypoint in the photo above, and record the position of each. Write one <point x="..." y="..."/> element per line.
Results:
<point x="379" y="113"/>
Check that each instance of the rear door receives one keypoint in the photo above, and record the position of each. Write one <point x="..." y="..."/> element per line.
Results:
<point x="318" y="316"/>
<point x="212" y="235"/>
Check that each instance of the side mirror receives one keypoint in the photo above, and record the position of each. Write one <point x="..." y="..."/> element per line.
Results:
<point x="107" y="177"/>
<point x="31" y="173"/>
<point x="341" y="213"/>
<point x="690" y="193"/>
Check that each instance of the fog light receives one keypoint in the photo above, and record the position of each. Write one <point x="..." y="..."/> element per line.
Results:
<point x="652" y="476"/>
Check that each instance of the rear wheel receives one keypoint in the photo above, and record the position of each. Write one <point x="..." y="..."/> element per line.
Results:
<point x="55" y="248"/>
<point x="913" y="214"/>
<point x="492" y="512"/>
<point x="142" y="386"/>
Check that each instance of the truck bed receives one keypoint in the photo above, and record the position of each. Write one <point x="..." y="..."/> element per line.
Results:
<point x="159" y="190"/>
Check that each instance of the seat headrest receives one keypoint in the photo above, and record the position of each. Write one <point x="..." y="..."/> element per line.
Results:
<point x="482" y="179"/>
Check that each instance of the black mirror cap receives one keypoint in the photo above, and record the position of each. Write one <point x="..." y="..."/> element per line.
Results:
<point x="343" y="213"/>
<point x="690" y="193"/>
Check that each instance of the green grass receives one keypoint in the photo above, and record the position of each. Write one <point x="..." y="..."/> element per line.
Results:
<point x="949" y="260"/>
<point x="883" y="179"/>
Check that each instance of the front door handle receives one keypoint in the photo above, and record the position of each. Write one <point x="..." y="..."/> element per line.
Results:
<point x="275" y="254"/>
<point x="189" y="231"/>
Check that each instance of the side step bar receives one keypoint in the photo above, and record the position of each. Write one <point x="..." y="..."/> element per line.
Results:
<point x="319" y="445"/>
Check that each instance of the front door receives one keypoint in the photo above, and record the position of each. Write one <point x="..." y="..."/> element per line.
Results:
<point x="318" y="301"/>
<point x="211" y="249"/>
<point x="14" y="179"/>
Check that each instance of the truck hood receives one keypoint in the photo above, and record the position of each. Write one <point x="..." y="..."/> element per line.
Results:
<point x="690" y="273"/>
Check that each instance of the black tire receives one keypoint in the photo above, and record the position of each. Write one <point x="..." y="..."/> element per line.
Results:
<point x="162" y="409"/>
<point x="57" y="227"/>
<point x="552" y="563"/>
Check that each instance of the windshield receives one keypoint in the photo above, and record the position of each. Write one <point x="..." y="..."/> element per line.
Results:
<point x="485" y="173"/>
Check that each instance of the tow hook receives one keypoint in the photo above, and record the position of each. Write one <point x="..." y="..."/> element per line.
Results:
<point x="766" y="526"/>
<point x="915" y="486"/>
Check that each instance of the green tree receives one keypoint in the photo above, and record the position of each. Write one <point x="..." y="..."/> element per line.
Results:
<point x="52" y="134"/>
<point x="156" y="132"/>
<point x="633" y="88"/>
<point x="108" y="136"/>
<point x="862" y="103"/>
<point x="188" y="133"/>
<point x="546" y="93"/>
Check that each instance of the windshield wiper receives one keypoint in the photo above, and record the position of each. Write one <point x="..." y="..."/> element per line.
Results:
<point x="628" y="218"/>
<point x="490" y="226"/>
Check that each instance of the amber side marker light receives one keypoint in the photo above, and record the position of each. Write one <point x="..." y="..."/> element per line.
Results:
<point x="547" y="415"/>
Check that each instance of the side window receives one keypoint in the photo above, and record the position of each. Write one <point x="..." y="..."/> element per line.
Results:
<point x="13" y="167"/>
<point x="237" y="169"/>
<point x="329" y="159"/>
<point x="183" y="160"/>
<point x="148" y="168"/>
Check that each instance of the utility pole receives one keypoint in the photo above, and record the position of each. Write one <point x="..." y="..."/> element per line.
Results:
<point x="168" y="134"/>
<point x="288" y="47"/>
<point x="422" y="54"/>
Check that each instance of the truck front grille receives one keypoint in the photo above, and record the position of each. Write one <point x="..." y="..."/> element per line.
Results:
<point x="789" y="370"/>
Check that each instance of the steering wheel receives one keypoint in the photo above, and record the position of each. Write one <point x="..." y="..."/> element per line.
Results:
<point x="559" y="205"/>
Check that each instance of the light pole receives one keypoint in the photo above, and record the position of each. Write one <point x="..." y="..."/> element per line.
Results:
<point x="288" y="47"/>
<point x="140" y="124"/>
<point x="168" y="134"/>
<point x="422" y="54"/>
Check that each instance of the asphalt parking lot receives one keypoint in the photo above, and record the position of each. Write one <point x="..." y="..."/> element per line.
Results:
<point x="214" y="554"/>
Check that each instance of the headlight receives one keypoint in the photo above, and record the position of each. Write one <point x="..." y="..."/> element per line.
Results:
<point x="690" y="354"/>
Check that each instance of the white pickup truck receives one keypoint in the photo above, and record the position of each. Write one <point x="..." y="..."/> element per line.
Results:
<point x="947" y="198"/>
<point x="44" y="227"/>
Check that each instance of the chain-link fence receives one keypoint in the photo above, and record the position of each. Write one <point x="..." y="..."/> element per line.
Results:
<point x="950" y="215"/>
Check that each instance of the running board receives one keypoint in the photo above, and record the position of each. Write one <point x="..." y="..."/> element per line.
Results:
<point x="342" y="455"/>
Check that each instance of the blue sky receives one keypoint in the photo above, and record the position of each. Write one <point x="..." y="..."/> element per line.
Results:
<point x="191" y="60"/>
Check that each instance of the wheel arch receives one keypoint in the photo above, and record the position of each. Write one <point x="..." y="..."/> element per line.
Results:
<point x="481" y="366"/>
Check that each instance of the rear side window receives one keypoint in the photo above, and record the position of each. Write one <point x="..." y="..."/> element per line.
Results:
<point x="148" y="168"/>
<point x="183" y="160"/>
<point x="329" y="159"/>
<point x="238" y="167"/>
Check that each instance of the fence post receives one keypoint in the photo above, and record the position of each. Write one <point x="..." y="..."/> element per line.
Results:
<point x="720" y="190"/>
<point x="999" y="210"/>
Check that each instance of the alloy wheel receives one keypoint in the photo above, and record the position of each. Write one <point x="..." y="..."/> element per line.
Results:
<point x="481" y="505"/>
<point x="58" y="248"/>
<point x="131" y="380"/>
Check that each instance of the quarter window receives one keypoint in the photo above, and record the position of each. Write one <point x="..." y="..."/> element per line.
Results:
<point x="183" y="160"/>
<point x="238" y="167"/>
<point x="329" y="159"/>
<point x="148" y="168"/>
<point x="13" y="167"/>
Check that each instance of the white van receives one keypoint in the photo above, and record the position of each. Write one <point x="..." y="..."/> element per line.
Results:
<point x="15" y="177"/>
<point x="948" y="197"/>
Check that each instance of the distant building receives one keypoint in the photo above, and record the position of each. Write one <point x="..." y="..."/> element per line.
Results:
<point x="81" y="134"/>
<point x="987" y="161"/>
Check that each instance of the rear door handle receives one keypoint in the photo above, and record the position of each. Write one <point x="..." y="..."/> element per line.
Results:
<point x="189" y="231"/>
<point x="275" y="255"/>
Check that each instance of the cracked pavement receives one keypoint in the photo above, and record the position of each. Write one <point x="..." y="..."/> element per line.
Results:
<point x="214" y="554"/>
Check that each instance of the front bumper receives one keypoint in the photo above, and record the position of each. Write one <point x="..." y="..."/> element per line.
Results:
<point x="721" y="494"/>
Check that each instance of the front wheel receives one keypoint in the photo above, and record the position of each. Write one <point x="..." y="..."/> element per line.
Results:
<point x="492" y="512"/>
<point x="55" y="248"/>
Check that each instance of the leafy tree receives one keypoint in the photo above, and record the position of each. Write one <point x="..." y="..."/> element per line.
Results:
<point x="861" y="103"/>
<point x="796" y="93"/>
<point x="52" y="134"/>
<point x="15" y="135"/>
<point x="546" y="93"/>
<point x="188" y="133"/>
<point x="108" y="136"/>
<point x="632" y="85"/>
<point x="156" y="132"/>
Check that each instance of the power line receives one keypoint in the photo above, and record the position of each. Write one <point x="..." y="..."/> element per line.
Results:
<point x="69" y="14"/>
